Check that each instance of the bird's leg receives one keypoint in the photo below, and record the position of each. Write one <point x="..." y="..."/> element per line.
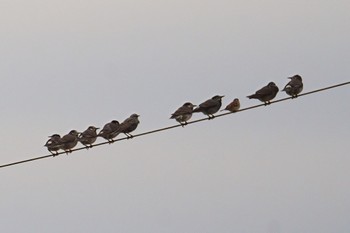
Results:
<point x="211" y="117"/>
<point x="110" y="141"/>
<point x="129" y="136"/>
<point x="183" y="124"/>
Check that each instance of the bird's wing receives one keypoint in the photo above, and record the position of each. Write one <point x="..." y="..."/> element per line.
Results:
<point x="296" y="83"/>
<point x="88" y="134"/>
<point x="181" y="111"/>
<point x="208" y="104"/>
<point x="67" y="138"/>
<point x="288" y="84"/>
<point x="264" y="91"/>
<point x="106" y="128"/>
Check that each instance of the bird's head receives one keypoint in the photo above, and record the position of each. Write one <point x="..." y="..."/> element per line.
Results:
<point x="134" y="115"/>
<point x="115" y="122"/>
<point x="218" y="97"/>
<point x="93" y="128"/>
<point x="189" y="104"/>
<point x="74" y="132"/>
<point x="296" y="77"/>
<point x="271" y="84"/>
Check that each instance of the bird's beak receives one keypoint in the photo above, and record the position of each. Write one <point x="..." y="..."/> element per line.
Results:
<point x="222" y="96"/>
<point x="290" y="77"/>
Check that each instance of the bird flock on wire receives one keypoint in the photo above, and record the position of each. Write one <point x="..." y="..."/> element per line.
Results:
<point x="183" y="114"/>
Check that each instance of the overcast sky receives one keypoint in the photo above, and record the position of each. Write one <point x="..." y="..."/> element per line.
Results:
<point x="70" y="64"/>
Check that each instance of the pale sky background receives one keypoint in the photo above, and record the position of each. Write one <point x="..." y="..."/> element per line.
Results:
<point x="70" y="64"/>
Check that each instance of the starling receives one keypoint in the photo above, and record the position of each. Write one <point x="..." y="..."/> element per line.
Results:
<point x="129" y="125"/>
<point x="183" y="114"/>
<point x="53" y="144"/>
<point x="69" y="141"/>
<point x="295" y="86"/>
<point x="109" y="131"/>
<point x="210" y="106"/>
<point x="88" y="137"/>
<point x="265" y="94"/>
<point x="233" y="106"/>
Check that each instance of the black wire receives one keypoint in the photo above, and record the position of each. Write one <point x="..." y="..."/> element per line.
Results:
<point x="175" y="126"/>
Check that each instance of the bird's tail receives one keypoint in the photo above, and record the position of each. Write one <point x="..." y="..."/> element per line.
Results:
<point x="254" y="96"/>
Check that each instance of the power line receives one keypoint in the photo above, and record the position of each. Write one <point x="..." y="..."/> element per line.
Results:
<point x="177" y="125"/>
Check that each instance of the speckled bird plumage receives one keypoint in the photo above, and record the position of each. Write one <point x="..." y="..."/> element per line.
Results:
<point x="183" y="113"/>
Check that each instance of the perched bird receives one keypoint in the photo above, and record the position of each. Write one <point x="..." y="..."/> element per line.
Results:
<point x="69" y="141"/>
<point x="210" y="106"/>
<point x="183" y="114"/>
<point x="53" y="144"/>
<point x="295" y="86"/>
<point x="265" y="94"/>
<point x="233" y="106"/>
<point x="129" y="125"/>
<point x="88" y="137"/>
<point x="109" y="131"/>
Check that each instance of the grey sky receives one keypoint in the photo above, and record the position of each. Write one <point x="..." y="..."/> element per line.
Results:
<point x="70" y="64"/>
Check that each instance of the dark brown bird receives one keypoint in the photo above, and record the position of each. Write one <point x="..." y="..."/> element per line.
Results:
<point x="129" y="125"/>
<point x="53" y="144"/>
<point x="265" y="94"/>
<point x="210" y="106"/>
<point x="183" y="114"/>
<point x="233" y="106"/>
<point x="69" y="141"/>
<point x="295" y="86"/>
<point x="88" y="137"/>
<point x="109" y="131"/>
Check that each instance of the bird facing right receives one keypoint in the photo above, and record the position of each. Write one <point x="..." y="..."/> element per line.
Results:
<point x="265" y="94"/>
<point x="88" y="137"/>
<point x="129" y="125"/>
<point x="109" y="131"/>
<point x="184" y="113"/>
<point x="69" y="141"/>
<point x="210" y="106"/>
<point x="233" y="106"/>
<point x="295" y="86"/>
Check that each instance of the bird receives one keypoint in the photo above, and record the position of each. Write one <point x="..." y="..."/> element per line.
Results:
<point x="210" y="106"/>
<point x="129" y="125"/>
<point x="69" y="141"/>
<point x="109" y="131"/>
<point x="183" y="113"/>
<point x="265" y="94"/>
<point x="53" y="144"/>
<point x="88" y="137"/>
<point x="294" y="87"/>
<point x="233" y="106"/>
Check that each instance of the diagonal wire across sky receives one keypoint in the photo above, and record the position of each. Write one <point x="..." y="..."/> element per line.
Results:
<point x="175" y="126"/>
